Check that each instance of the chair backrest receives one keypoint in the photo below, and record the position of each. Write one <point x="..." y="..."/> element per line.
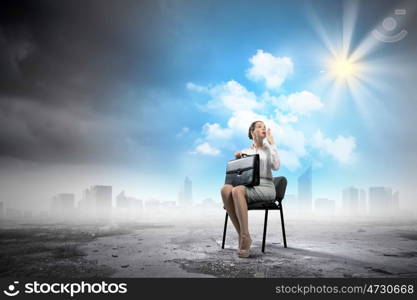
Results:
<point x="280" y="187"/>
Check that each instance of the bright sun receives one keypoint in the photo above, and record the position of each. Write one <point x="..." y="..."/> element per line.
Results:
<point x="343" y="68"/>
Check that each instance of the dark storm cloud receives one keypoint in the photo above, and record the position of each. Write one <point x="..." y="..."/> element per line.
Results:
<point x="79" y="45"/>
<point x="70" y="72"/>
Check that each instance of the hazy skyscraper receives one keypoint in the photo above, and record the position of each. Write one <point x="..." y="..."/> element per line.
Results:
<point x="102" y="195"/>
<point x="305" y="198"/>
<point x="350" y="200"/>
<point x="185" y="195"/>
<point x="128" y="203"/>
<point x="122" y="201"/>
<point x="87" y="203"/>
<point x="363" y="207"/>
<point x="152" y="203"/>
<point x="63" y="204"/>
<point x="188" y="191"/>
<point x="396" y="201"/>
<point x="382" y="200"/>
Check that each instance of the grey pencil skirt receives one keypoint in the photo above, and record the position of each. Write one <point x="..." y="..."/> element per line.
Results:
<point x="265" y="191"/>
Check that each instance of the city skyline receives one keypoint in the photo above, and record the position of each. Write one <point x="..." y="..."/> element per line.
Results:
<point x="98" y="201"/>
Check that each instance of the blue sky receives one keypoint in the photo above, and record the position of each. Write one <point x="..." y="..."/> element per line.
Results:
<point x="223" y="45"/>
<point x="171" y="87"/>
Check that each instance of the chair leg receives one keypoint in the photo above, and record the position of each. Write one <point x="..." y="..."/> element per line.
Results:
<point x="283" y="227"/>
<point x="224" y="231"/>
<point x="265" y="225"/>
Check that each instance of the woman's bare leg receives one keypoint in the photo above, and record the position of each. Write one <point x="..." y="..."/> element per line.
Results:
<point x="226" y="192"/>
<point x="241" y="207"/>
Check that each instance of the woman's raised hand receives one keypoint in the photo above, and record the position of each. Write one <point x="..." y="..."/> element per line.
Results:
<point x="238" y="154"/>
<point x="269" y="137"/>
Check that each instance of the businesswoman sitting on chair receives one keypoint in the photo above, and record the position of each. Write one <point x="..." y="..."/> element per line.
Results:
<point x="236" y="198"/>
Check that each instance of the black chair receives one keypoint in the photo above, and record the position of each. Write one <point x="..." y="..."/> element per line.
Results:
<point x="280" y="187"/>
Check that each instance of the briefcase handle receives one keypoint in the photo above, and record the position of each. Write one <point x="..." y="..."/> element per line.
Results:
<point x="247" y="155"/>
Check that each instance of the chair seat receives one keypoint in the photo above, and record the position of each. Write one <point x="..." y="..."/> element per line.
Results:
<point x="264" y="205"/>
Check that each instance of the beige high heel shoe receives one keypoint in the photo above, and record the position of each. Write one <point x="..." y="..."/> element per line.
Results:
<point x="244" y="253"/>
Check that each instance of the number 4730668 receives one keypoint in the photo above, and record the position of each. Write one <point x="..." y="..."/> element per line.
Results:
<point x="390" y="289"/>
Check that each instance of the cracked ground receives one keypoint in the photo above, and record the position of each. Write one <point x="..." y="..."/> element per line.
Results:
<point x="189" y="245"/>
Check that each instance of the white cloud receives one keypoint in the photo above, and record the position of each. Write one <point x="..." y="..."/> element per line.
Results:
<point x="233" y="96"/>
<point x="292" y="138"/>
<point x="268" y="98"/>
<point x="241" y="120"/>
<point x="215" y="131"/>
<point x="230" y="95"/>
<point x="273" y="70"/>
<point x="303" y="102"/>
<point x="289" y="118"/>
<point x="289" y="159"/>
<point x="341" y="149"/>
<point x="206" y="149"/>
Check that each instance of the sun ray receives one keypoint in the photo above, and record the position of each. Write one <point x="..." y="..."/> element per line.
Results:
<point x="334" y="95"/>
<point x="359" y="93"/>
<point x="365" y="47"/>
<point x="350" y="15"/>
<point x="321" y="32"/>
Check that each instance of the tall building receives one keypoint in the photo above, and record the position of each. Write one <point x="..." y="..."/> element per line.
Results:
<point x="122" y="201"/>
<point x="96" y="201"/>
<point x="87" y="203"/>
<point x="128" y="203"/>
<point x="27" y="214"/>
<point x="396" y="201"/>
<point x="350" y="200"/>
<point x="382" y="200"/>
<point x="13" y="213"/>
<point x="152" y="203"/>
<point x="63" y="204"/>
<point x="102" y="195"/>
<point x="185" y="195"/>
<point x="188" y="191"/>
<point x="305" y="193"/>
<point x="363" y="207"/>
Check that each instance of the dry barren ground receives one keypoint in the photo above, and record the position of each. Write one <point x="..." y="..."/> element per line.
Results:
<point x="192" y="248"/>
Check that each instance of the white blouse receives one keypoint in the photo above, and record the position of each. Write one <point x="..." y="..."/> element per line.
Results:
<point x="268" y="158"/>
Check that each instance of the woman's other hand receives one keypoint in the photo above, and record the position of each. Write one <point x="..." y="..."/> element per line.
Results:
<point x="269" y="137"/>
<point x="238" y="154"/>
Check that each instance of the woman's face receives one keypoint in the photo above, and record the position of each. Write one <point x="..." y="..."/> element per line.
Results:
<point x="260" y="130"/>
